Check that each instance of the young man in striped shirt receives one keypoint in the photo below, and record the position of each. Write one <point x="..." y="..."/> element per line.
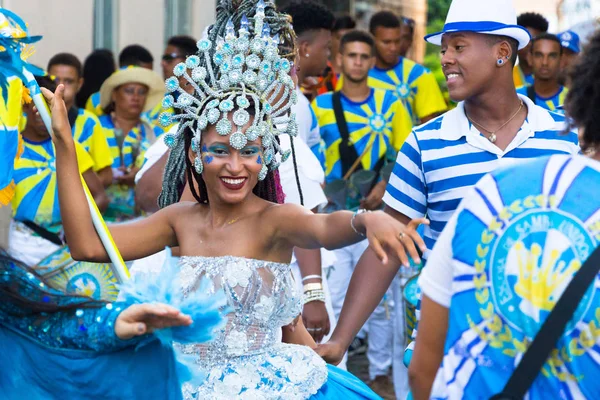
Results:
<point x="441" y="160"/>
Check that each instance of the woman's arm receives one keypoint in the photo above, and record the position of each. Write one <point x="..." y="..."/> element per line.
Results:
<point x="297" y="334"/>
<point x="305" y="229"/>
<point x="134" y="240"/>
<point x="96" y="189"/>
<point x="100" y="328"/>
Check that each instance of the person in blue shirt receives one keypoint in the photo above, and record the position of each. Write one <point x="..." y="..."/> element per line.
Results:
<point x="496" y="272"/>
<point x="569" y="41"/>
<point x="546" y="60"/>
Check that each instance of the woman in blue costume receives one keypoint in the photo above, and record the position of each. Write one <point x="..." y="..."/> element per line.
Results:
<point x="237" y="235"/>
<point x="57" y="346"/>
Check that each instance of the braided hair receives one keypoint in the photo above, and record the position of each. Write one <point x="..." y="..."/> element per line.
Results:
<point x="179" y="168"/>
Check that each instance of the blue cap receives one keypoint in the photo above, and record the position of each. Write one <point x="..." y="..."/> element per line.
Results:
<point x="569" y="40"/>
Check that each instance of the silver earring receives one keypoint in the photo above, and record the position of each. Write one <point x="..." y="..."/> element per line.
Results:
<point x="307" y="55"/>
<point x="500" y="62"/>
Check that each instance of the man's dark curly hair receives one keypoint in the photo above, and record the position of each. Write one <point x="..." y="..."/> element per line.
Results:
<point x="533" y="20"/>
<point x="583" y="99"/>
<point x="383" y="19"/>
<point x="308" y="15"/>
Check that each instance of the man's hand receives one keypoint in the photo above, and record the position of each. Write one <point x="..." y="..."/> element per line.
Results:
<point x="332" y="352"/>
<point x="316" y="320"/>
<point x="374" y="200"/>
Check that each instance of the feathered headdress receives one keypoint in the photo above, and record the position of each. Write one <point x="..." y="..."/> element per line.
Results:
<point x="14" y="39"/>
<point x="238" y="69"/>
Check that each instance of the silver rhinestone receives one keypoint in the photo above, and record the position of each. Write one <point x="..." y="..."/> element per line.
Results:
<point x="253" y="61"/>
<point x="263" y="173"/>
<point x="213" y="115"/>
<point x="241" y="117"/>
<point x="199" y="74"/>
<point x="198" y="166"/>
<point x="202" y="122"/>
<point x="252" y="133"/>
<point x="226" y="105"/>
<point x="238" y="140"/>
<point x="250" y="77"/>
<point x="224" y="127"/>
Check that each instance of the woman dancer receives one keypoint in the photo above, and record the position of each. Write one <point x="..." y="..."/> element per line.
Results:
<point x="236" y="234"/>
<point x="73" y="347"/>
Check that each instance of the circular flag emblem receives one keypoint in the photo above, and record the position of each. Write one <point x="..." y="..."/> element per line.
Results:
<point x="377" y="123"/>
<point x="403" y="90"/>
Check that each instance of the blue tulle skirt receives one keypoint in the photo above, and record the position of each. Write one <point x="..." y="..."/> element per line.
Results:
<point x="343" y="385"/>
<point x="32" y="371"/>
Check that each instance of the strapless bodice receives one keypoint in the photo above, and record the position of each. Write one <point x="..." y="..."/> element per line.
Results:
<point x="246" y="359"/>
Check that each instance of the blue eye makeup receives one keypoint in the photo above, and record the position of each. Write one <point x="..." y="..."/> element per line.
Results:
<point x="250" y="151"/>
<point x="219" y="149"/>
<point x="259" y="160"/>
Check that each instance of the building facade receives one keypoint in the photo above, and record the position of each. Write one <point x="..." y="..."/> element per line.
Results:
<point x="79" y="26"/>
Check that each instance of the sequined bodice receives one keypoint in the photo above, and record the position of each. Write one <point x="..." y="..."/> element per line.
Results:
<point x="247" y="355"/>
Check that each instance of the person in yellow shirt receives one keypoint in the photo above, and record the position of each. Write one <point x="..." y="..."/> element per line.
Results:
<point x="34" y="233"/>
<point x="87" y="131"/>
<point x="412" y="83"/>
<point x="376" y="125"/>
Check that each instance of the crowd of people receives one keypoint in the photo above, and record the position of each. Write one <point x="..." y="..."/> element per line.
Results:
<point x="314" y="176"/>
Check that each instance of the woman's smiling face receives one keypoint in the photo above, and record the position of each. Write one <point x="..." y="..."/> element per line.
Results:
<point x="230" y="175"/>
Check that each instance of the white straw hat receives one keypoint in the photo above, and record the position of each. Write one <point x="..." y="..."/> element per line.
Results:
<point x="132" y="74"/>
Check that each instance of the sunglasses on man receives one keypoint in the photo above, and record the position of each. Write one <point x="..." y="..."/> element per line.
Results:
<point x="172" y="56"/>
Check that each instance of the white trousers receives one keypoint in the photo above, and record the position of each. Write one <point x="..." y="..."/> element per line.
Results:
<point x="26" y="247"/>
<point x="380" y="325"/>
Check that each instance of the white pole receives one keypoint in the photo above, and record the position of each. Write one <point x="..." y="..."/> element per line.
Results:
<point x="99" y="224"/>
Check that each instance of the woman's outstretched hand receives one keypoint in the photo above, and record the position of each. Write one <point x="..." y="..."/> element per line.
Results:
<point x="386" y="236"/>
<point x="139" y="319"/>
<point x="58" y="109"/>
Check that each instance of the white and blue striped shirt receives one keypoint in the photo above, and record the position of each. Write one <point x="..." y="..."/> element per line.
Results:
<point x="443" y="158"/>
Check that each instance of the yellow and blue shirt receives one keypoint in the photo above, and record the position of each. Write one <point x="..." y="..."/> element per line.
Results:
<point x="520" y="78"/>
<point x="552" y="103"/>
<point x="10" y="140"/>
<point x="88" y="131"/>
<point x="36" y="196"/>
<point x="381" y="119"/>
<point x="93" y="105"/>
<point x="412" y="83"/>
<point x="129" y="154"/>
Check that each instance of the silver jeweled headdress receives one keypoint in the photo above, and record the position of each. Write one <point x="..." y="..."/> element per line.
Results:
<point x="242" y="69"/>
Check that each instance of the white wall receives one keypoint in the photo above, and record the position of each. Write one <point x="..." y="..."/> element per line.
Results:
<point x="548" y="8"/>
<point x="68" y="25"/>
<point x="142" y="22"/>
